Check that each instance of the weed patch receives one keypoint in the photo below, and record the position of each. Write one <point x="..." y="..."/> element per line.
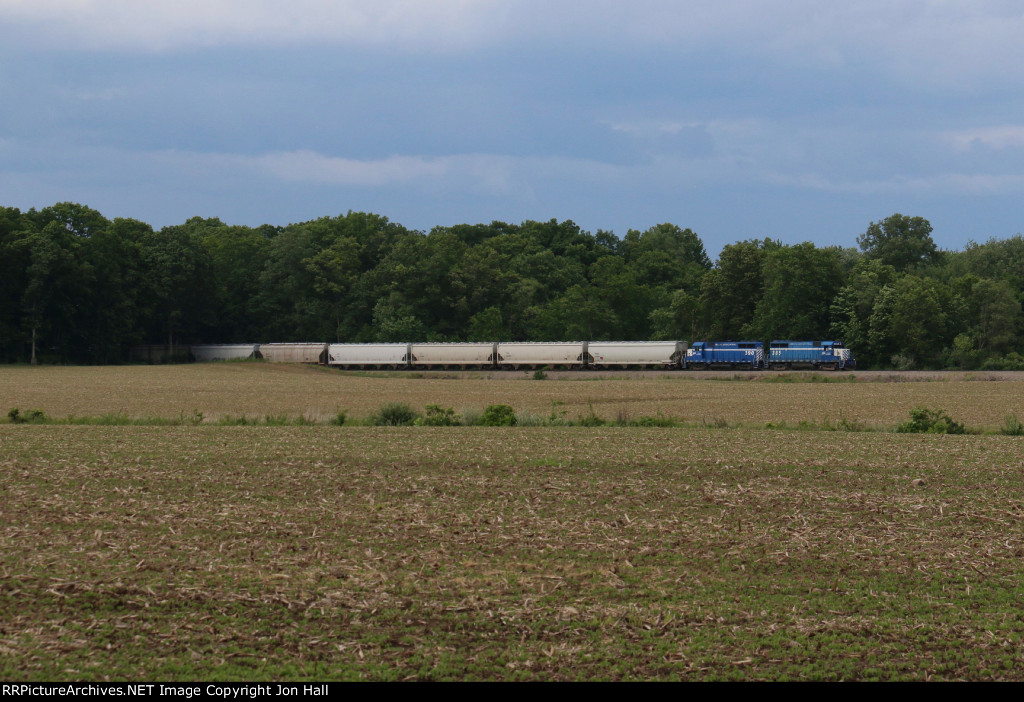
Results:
<point x="1012" y="426"/>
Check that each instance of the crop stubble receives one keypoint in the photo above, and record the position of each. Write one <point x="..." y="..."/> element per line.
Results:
<point x="542" y="553"/>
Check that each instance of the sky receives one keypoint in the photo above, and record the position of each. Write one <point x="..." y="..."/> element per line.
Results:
<point x="789" y="119"/>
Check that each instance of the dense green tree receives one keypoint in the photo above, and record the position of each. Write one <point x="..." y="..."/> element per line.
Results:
<point x="76" y="219"/>
<point x="394" y="321"/>
<point x="56" y="286"/>
<point x="630" y="303"/>
<point x="179" y="291"/>
<point x="416" y="277"/>
<point x="14" y="261"/>
<point x="666" y="260"/>
<point x="853" y="306"/>
<point x="335" y="295"/>
<point x="677" y="320"/>
<point x="488" y="325"/>
<point x="115" y="316"/>
<point x="994" y="316"/>
<point x="237" y="257"/>
<point x="481" y="281"/>
<point x="730" y="292"/>
<point x="997" y="259"/>
<point x="582" y="312"/>
<point x="286" y="301"/>
<point x="900" y="241"/>
<point x="910" y="322"/>
<point x="564" y="239"/>
<point x="800" y="283"/>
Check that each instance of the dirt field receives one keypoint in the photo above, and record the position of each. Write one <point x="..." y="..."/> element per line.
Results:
<point x="981" y="400"/>
<point x="723" y="550"/>
<point x="304" y="553"/>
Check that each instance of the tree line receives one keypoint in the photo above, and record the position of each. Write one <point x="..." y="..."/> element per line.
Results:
<point x="76" y="287"/>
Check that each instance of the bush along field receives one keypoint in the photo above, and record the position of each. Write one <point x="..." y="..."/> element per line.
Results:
<point x="922" y="420"/>
<point x="202" y="551"/>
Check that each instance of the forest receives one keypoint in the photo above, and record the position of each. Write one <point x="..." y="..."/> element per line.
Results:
<point x="76" y="287"/>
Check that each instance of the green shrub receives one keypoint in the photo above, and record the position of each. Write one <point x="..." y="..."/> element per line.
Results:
<point x="339" y="419"/>
<point x="438" y="416"/>
<point x="394" y="414"/>
<point x="539" y="374"/>
<point x="36" y="416"/>
<point x="928" y="421"/>
<point x="498" y="416"/>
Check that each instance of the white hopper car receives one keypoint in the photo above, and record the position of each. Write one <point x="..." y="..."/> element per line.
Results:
<point x="382" y="356"/>
<point x="223" y="352"/>
<point x="294" y="353"/>
<point x="573" y="355"/>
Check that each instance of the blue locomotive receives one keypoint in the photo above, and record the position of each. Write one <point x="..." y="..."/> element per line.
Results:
<point x="829" y="355"/>
<point x="745" y="355"/>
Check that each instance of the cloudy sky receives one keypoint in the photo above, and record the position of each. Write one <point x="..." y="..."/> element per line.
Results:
<point x="793" y="119"/>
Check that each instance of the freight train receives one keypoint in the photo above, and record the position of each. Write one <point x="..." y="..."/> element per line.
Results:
<point x="574" y="355"/>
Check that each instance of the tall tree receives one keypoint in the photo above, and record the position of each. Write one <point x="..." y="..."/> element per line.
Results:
<point x="14" y="261"/>
<point x="179" y="286"/>
<point x="56" y="286"/>
<point x="910" y="321"/>
<point x="853" y="307"/>
<point x="78" y="220"/>
<point x="800" y="283"/>
<point x="900" y="241"/>
<point x="114" y="314"/>
<point x="994" y="314"/>
<point x="731" y="290"/>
